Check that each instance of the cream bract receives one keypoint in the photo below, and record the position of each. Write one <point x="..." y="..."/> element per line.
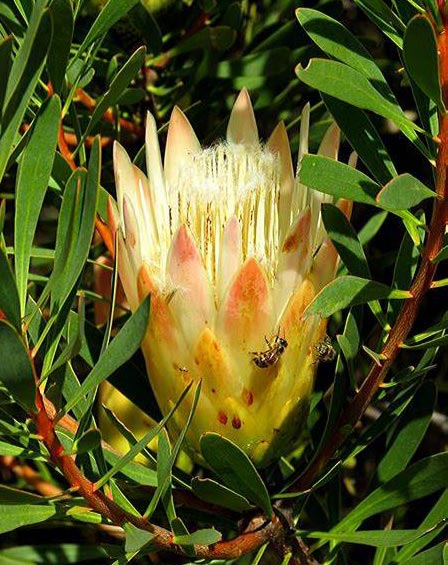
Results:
<point x="232" y="249"/>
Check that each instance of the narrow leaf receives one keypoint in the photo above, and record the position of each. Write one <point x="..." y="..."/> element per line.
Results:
<point x="424" y="70"/>
<point x="61" y="40"/>
<point x="344" y="238"/>
<point x="16" y="516"/>
<point x="338" y="179"/>
<point x="338" y="42"/>
<point x="363" y="137"/>
<point x="75" y="228"/>
<point x="348" y="291"/>
<point x="52" y="554"/>
<point x="16" y="372"/>
<point x="123" y="346"/>
<point x="5" y="66"/>
<point x="376" y="538"/>
<point x="107" y="17"/>
<point x="215" y="493"/>
<point x="235" y="469"/>
<point x="136" y="538"/>
<point x="421" y="479"/>
<point x="25" y="72"/>
<point x="9" y="299"/>
<point x="351" y="86"/>
<point x="437" y="513"/>
<point x="409" y="432"/>
<point x="32" y="182"/>
<point x="122" y="462"/>
<point x="118" y="85"/>
<point x="385" y="18"/>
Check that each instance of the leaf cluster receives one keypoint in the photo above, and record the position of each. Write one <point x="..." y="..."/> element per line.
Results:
<point x="77" y="75"/>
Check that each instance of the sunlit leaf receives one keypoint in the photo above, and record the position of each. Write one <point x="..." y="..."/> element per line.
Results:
<point x="403" y="192"/>
<point x="348" y="291"/>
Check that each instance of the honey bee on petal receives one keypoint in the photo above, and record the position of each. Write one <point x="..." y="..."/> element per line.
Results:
<point x="276" y="348"/>
<point x="324" y="350"/>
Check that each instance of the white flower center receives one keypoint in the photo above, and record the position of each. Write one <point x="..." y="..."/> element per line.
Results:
<point x="223" y="181"/>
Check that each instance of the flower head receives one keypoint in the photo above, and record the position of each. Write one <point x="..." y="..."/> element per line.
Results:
<point x="232" y="249"/>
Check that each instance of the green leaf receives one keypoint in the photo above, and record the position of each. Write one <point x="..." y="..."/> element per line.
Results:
<point x="200" y="537"/>
<point x="52" y="554"/>
<point x="442" y="255"/>
<point x="351" y="86"/>
<point x="235" y="469"/>
<point x="437" y="513"/>
<point x="338" y="42"/>
<point x="403" y="192"/>
<point x="423" y="478"/>
<point x="136" y="538"/>
<point x="112" y="11"/>
<point x="436" y="555"/>
<point x="338" y="179"/>
<point x="140" y="474"/>
<point x="404" y="270"/>
<point x="61" y="40"/>
<point x="408" y="433"/>
<point x="5" y="66"/>
<point x="164" y="469"/>
<point x="89" y="441"/>
<point x="348" y="291"/>
<point x="121" y="499"/>
<point x="14" y="496"/>
<point x="25" y="72"/>
<point x="75" y="228"/>
<point x="344" y="238"/>
<point x="139" y="446"/>
<point x="372" y="227"/>
<point x="387" y="21"/>
<point x="83" y="514"/>
<point x="424" y="70"/>
<point x="118" y="85"/>
<point x="15" y="371"/>
<point x="122" y="347"/>
<point x="9" y="300"/>
<point x="363" y="137"/>
<point x="36" y="164"/>
<point x="18" y="515"/>
<point x="215" y="493"/>
<point x="376" y="538"/>
<point x="17" y="451"/>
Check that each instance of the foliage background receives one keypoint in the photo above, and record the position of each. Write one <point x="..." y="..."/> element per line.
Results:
<point x="198" y="55"/>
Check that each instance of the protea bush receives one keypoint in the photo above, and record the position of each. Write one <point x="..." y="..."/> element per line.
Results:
<point x="231" y="247"/>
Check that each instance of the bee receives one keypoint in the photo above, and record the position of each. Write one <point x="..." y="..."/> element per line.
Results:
<point x="324" y="350"/>
<point x="276" y="348"/>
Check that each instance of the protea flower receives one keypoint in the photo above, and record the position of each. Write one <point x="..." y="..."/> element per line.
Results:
<point x="232" y="249"/>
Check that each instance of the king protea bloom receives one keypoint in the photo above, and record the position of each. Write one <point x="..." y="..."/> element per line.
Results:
<point x="232" y="249"/>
